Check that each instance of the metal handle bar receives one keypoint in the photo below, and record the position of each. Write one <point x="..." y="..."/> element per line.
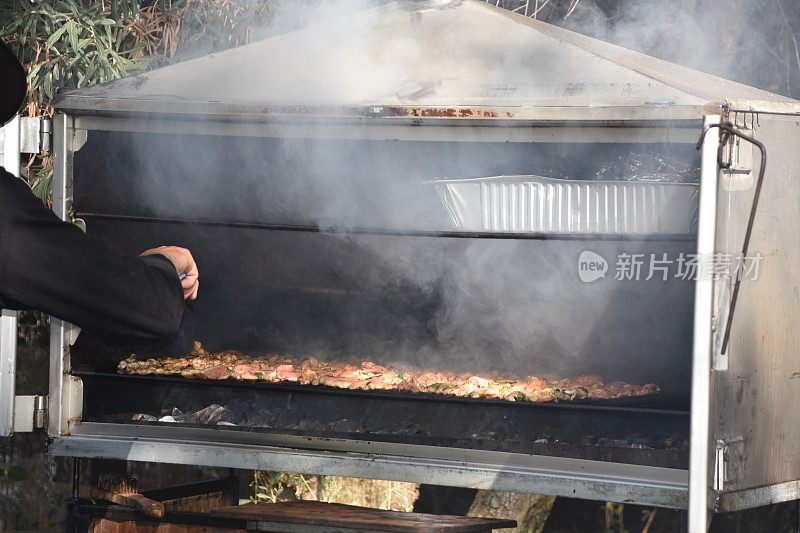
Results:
<point x="729" y="129"/>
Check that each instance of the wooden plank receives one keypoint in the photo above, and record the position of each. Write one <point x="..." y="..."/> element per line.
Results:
<point x="351" y="517"/>
<point x="103" y="525"/>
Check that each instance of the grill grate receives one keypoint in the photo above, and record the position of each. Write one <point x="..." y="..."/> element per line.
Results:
<point x="627" y="433"/>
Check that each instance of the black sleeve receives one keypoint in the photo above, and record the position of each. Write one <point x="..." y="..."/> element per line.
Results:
<point x="52" y="266"/>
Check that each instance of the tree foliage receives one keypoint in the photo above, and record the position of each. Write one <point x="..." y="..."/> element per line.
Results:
<point x="68" y="44"/>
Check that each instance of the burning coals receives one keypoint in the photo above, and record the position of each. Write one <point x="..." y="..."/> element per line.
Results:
<point x="241" y="415"/>
<point x="234" y="413"/>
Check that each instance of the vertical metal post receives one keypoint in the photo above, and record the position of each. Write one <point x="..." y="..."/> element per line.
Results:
<point x="701" y="441"/>
<point x="797" y="516"/>
<point x="8" y="319"/>
<point x="231" y="495"/>
<point x="8" y="370"/>
<point x="9" y="146"/>
<point x="76" y="478"/>
<point x="683" y="521"/>
<point x="62" y="163"/>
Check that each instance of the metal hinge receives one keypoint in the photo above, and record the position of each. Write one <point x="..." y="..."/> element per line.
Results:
<point x="737" y="163"/>
<point x="724" y="470"/>
<point x="720" y="458"/>
<point x="30" y="412"/>
<point x="35" y="135"/>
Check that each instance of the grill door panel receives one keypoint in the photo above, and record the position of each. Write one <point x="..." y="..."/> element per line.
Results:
<point x="9" y="159"/>
<point x="702" y="497"/>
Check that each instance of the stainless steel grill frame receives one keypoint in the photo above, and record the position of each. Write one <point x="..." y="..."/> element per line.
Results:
<point x="74" y="437"/>
<point x="457" y="467"/>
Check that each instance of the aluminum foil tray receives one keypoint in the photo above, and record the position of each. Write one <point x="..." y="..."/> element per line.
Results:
<point x="549" y="205"/>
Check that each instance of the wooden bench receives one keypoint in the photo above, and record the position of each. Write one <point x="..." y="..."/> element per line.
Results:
<point x="319" y="517"/>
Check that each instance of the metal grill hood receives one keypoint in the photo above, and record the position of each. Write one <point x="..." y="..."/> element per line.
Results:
<point x="455" y="59"/>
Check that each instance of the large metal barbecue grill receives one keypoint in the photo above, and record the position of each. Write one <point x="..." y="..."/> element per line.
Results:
<point x="305" y="172"/>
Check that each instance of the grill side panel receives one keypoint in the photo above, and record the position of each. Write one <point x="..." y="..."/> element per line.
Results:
<point x="759" y="393"/>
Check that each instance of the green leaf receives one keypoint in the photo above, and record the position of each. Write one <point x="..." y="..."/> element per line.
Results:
<point x="30" y="21"/>
<point x="55" y="37"/>
<point x="34" y="71"/>
<point x="74" y="8"/>
<point x="41" y="187"/>
<point x="35" y="26"/>
<point x="91" y="70"/>
<point x="47" y="87"/>
<point x="72" y="34"/>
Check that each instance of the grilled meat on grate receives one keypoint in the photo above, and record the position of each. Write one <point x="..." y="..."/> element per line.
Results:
<point x="202" y="364"/>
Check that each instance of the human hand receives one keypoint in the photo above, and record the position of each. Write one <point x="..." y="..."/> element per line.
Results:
<point x="184" y="263"/>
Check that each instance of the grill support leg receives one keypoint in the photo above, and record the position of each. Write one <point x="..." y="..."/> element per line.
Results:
<point x="683" y="521"/>
<point x="797" y="515"/>
<point x="231" y="494"/>
<point x="76" y="478"/>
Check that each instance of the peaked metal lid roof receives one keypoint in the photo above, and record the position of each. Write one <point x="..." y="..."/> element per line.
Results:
<point x="436" y="58"/>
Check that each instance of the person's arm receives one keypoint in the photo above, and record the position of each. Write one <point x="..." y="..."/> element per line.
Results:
<point x="52" y="266"/>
